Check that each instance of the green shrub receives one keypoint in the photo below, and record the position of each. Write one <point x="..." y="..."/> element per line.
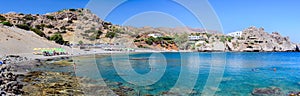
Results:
<point x="50" y="17"/>
<point x="223" y="39"/>
<point x="43" y="25"/>
<point x="93" y="37"/>
<point x="70" y="29"/>
<point x="167" y="38"/>
<point x="110" y="35"/>
<point x="29" y="17"/>
<point x="171" y="42"/>
<point x="95" y="34"/>
<point x="208" y="35"/>
<point x="99" y="33"/>
<point x="23" y="26"/>
<point x="158" y="39"/>
<point x="137" y="40"/>
<point x="138" y="37"/>
<point x="206" y="41"/>
<point x="63" y="28"/>
<point x="63" y="32"/>
<point x="38" y="32"/>
<point x="7" y="23"/>
<point x="80" y="42"/>
<point x="229" y="38"/>
<point x="49" y="26"/>
<point x="72" y="9"/>
<point x="57" y="37"/>
<point x="181" y="39"/>
<point x="70" y="21"/>
<point x="2" y="18"/>
<point x="150" y="40"/>
<point x="141" y="46"/>
<point x="39" y="27"/>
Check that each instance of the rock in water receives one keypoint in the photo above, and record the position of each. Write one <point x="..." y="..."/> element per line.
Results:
<point x="267" y="92"/>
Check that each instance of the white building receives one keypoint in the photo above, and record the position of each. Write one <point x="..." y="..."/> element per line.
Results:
<point x="193" y="38"/>
<point x="155" y="35"/>
<point x="235" y="34"/>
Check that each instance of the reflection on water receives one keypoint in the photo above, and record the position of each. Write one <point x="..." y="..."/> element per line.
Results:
<point x="243" y="73"/>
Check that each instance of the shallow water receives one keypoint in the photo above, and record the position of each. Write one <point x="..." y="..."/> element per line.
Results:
<point x="196" y="73"/>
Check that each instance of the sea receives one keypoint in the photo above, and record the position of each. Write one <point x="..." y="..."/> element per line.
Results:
<point x="194" y="74"/>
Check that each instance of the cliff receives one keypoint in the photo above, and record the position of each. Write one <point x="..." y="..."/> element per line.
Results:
<point x="252" y="39"/>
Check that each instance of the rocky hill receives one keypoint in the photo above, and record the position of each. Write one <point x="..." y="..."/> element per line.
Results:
<point x="252" y="39"/>
<point x="74" y="26"/>
<point x="72" y="23"/>
<point x="256" y="39"/>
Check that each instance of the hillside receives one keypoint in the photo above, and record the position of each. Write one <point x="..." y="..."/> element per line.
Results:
<point x="17" y="41"/>
<point x="74" y="26"/>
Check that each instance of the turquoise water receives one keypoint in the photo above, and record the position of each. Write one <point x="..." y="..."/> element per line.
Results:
<point x="239" y="73"/>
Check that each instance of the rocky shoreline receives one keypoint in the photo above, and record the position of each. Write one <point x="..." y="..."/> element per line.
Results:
<point x="10" y="79"/>
<point x="9" y="82"/>
<point x="28" y="78"/>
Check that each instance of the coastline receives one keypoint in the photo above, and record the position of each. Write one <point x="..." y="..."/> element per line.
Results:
<point x="25" y="69"/>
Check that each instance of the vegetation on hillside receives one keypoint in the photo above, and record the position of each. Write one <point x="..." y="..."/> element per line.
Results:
<point x="29" y="17"/>
<point x="23" y="26"/>
<point x="57" y="37"/>
<point x="180" y="40"/>
<point x="2" y="18"/>
<point x="167" y="42"/>
<point x="92" y="34"/>
<point x="6" y="23"/>
<point x="38" y="32"/>
<point x="111" y="35"/>
<point x="50" y="17"/>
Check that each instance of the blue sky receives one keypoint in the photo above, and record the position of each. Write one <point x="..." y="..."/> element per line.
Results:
<point x="273" y="15"/>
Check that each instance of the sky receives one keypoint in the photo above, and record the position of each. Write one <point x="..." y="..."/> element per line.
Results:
<point x="235" y="15"/>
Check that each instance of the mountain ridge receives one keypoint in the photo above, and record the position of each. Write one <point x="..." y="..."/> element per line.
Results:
<point x="74" y="26"/>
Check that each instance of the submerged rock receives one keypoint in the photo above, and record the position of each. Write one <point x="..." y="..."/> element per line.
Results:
<point x="51" y="83"/>
<point x="267" y="92"/>
<point x="294" y="94"/>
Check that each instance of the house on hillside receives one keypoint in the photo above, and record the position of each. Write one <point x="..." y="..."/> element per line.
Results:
<point x="195" y="38"/>
<point x="235" y="34"/>
<point x="155" y="35"/>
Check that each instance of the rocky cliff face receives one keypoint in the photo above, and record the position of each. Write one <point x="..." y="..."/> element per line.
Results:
<point x="252" y="40"/>
<point x="256" y="39"/>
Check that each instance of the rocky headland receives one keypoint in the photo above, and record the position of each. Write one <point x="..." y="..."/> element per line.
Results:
<point x="251" y="39"/>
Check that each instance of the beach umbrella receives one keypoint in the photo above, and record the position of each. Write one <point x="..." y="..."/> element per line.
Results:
<point x="35" y="49"/>
<point x="62" y="50"/>
<point x="43" y="49"/>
